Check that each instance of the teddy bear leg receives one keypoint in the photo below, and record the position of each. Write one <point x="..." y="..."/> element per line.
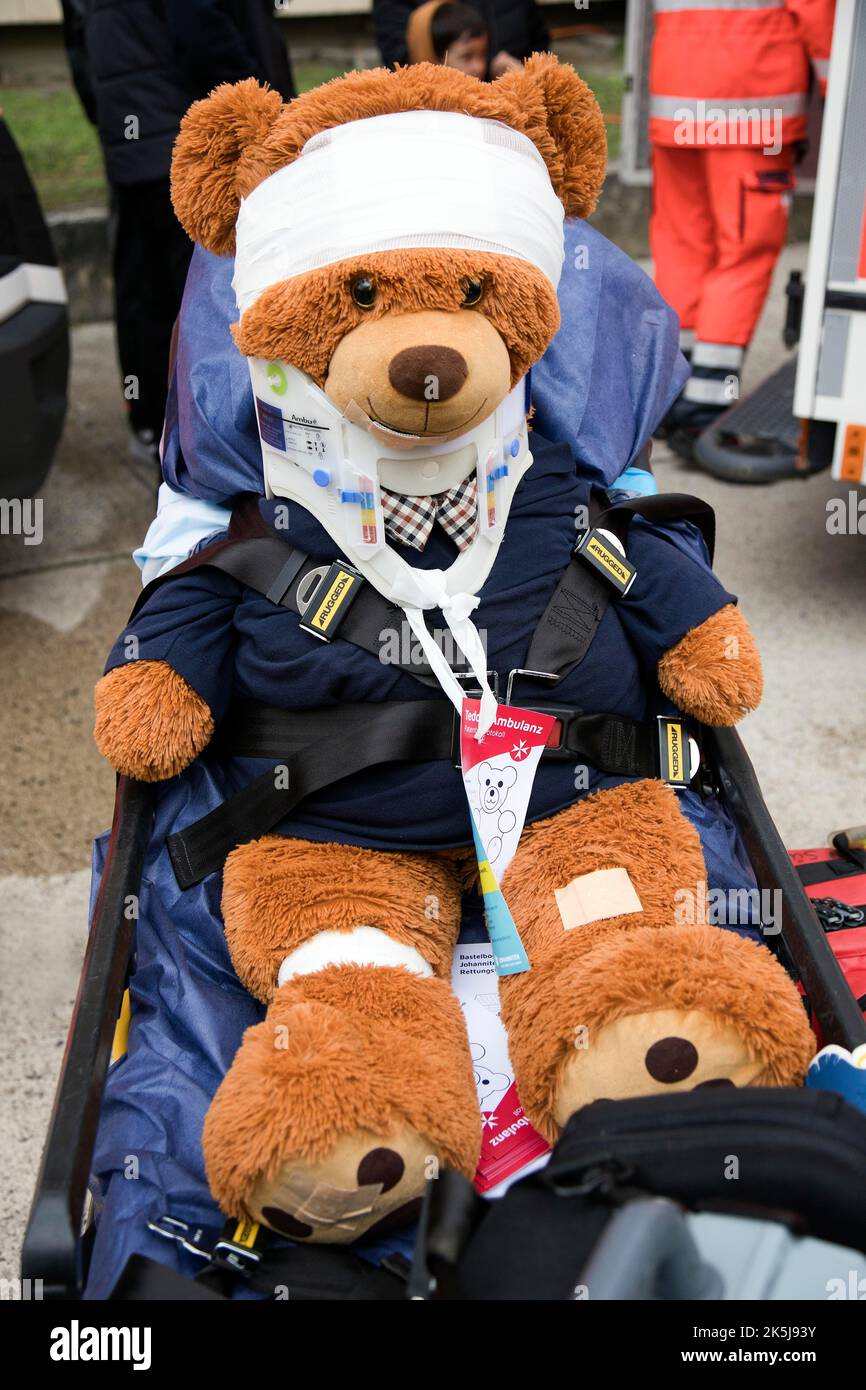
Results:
<point x="638" y="1003"/>
<point x="359" y="1083"/>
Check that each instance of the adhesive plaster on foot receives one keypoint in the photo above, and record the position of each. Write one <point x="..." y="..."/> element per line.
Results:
<point x="321" y="1204"/>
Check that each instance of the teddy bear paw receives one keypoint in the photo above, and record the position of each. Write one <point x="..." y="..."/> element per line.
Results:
<point x="150" y="723"/>
<point x="714" y="672"/>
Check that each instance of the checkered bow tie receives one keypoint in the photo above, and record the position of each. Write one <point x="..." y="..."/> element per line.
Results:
<point x="409" y="520"/>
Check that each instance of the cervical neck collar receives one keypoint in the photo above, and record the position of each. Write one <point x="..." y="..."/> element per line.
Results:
<point x="334" y="462"/>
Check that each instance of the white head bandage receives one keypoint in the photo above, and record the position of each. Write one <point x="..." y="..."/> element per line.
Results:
<point x="411" y="179"/>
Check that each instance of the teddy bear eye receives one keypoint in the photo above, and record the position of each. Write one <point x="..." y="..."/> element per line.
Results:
<point x="473" y="291"/>
<point x="364" y="291"/>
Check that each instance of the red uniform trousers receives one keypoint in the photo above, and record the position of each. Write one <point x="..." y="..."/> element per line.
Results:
<point x="718" y="223"/>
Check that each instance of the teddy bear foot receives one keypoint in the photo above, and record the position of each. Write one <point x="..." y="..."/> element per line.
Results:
<point x="653" y="1053"/>
<point x="366" y="1185"/>
<point x="342" y="1104"/>
<point x="651" y="1011"/>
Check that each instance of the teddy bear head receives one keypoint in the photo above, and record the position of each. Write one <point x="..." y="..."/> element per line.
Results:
<point x="398" y="235"/>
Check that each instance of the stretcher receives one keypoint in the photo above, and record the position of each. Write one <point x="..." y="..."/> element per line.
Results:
<point x="65" y="1220"/>
<point x="122" y="1174"/>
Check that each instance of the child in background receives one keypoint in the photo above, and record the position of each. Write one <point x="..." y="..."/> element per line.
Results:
<point x="454" y="36"/>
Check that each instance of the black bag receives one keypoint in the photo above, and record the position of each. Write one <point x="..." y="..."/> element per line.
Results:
<point x="794" y="1156"/>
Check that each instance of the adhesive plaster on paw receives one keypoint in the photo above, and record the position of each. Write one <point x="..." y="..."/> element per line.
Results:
<point x="596" y="896"/>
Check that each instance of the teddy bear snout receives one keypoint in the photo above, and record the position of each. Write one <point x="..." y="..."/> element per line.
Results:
<point x="431" y="373"/>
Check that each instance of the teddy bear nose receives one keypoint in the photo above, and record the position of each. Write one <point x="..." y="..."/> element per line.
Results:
<point x="428" y="373"/>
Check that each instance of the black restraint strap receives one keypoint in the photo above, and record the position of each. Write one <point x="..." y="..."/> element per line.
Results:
<point x="143" y="1280"/>
<point x="271" y="567"/>
<point x="310" y="1273"/>
<point x="570" y="621"/>
<point x="254" y="556"/>
<point x="823" y="870"/>
<point x="320" y="747"/>
<point x="300" y="1273"/>
<point x="579" y="602"/>
<point x="662" y="509"/>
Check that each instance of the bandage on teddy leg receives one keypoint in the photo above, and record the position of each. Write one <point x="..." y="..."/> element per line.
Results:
<point x="359" y="1083"/>
<point x="640" y="1002"/>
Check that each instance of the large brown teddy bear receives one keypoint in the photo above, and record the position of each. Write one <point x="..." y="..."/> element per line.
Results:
<point x="359" y="1082"/>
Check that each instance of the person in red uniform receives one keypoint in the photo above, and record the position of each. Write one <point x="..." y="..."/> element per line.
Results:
<point x="729" y="84"/>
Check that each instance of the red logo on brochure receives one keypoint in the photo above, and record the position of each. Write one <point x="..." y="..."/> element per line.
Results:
<point x="515" y="731"/>
<point x="508" y="1142"/>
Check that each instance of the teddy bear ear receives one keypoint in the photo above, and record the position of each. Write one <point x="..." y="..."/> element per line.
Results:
<point x="561" y="115"/>
<point x="219" y="158"/>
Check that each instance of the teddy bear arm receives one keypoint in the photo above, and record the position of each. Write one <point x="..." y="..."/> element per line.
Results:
<point x="169" y="676"/>
<point x="150" y="723"/>
<point x="714" y="672"/>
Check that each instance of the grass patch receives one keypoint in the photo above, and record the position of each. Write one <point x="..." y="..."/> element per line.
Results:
<point x="608" y="88"/>
<point x="309" y="75"/>
<point x="60" y="146"/>
<point x="62" y="152"/>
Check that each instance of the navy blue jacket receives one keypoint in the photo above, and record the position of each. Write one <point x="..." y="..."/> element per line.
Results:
<point x="230" y="643"/>
<point x="153" y="58"/>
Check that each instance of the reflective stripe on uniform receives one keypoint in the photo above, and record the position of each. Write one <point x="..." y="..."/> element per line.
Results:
<point x="707" y="390"/>
<point x="717" y="355"/>
<point x="669" y="6"/>
<point x="822" y="67"/>
<point x="701" y="109"/>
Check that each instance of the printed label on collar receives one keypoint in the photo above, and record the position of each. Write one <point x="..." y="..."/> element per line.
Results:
<point x="498" y="773"/>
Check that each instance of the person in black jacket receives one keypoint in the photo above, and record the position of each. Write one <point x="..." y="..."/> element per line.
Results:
<point x="516" y="29"/>
<point x="146" y="61"/>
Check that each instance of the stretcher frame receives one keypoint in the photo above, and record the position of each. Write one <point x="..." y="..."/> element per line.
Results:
<point x="56" y="1245"/>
